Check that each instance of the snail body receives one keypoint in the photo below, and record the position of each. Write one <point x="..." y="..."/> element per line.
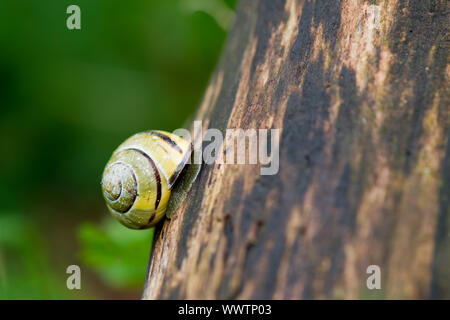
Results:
<point x="140" y="175"/>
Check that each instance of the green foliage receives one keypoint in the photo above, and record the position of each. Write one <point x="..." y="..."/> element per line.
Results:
<point x="118" y="254"/>
<point x="25" y="268"/>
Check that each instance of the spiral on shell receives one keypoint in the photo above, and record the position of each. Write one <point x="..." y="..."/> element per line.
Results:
<point x="138" y="179"/>
<point x="120" y="186"/>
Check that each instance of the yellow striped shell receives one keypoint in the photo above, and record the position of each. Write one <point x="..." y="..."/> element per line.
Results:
<point x="138" y="179"/>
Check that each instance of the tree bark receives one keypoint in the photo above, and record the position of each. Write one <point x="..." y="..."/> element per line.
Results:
<point x="360" y="92"/>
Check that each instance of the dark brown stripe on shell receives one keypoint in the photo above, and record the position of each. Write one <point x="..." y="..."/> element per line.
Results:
<point x="164" y="149"/>
<point x="152" y="218"/>
<point x="180" y="167"/>
<point x="167" y="139"/>
<point x="157" y="176"/>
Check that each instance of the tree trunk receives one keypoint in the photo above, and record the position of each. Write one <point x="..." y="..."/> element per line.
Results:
<point x="360" y="92"/>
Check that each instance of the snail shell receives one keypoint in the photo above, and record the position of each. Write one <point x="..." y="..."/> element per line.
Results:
<point x="138" y="179"/>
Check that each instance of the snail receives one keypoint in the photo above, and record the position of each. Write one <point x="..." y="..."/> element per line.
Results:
<point x="147" y="177"/>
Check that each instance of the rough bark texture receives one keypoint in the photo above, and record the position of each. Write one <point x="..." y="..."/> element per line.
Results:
<point x="360" y="92"/>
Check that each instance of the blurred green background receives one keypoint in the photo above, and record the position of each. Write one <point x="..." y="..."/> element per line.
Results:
<point x="67" y="99"/>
